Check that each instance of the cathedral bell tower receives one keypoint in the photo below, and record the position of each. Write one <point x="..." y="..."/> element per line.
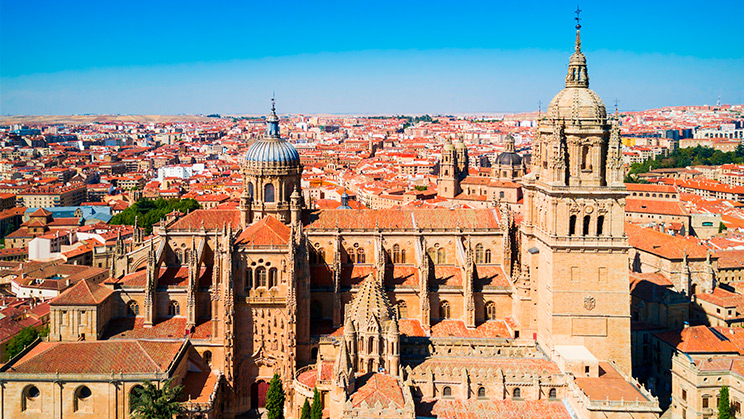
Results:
<point x="449" y="176"/>
<point x="573" y="230"/>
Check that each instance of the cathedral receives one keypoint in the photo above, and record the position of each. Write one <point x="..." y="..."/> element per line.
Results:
<point x="395" y="313"/>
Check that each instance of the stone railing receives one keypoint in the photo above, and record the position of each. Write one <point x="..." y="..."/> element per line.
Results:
<point x="302" y="388"/>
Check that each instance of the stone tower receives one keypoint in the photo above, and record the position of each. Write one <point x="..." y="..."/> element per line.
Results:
<point x="271" y="173"/>
<point x="449" y="175"/>
<point x="573" y="230"/>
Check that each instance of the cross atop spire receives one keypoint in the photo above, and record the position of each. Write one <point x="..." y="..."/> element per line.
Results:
<point x="577" y="74"/>
<point x="578" y="17"/>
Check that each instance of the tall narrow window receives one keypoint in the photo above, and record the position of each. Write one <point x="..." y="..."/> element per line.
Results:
<point x="488" y="256"/>
<point x="261" y="277"/>
<point x="248" y="278"/>
<point x="396" y="253"/>
<point x="441" y="256"/>
<point x="321" y="255"/>
<point x="402" y="309"/>
<point x="250" y="189"/>
<point x="517" y="393"/>
<point x="479" y="253"/>
<point x="272" y="277"/>
<point x="600" y="225"/>
<point x="490" y="310"/>
<point x="132" y="308"/>
<point x="269" y="193"/>
<point x="572" y="225"/>
<point x="179" y="257"/>
<point x="360" y="256"/>
<point x="174" y="309"/>
<point x="587" y="221"/>
<point x="585" y="164"/>
<point x="444" y="310"/>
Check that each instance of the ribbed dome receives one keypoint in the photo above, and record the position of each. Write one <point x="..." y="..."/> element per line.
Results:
<point x="272" y="150"/>
<point x="509" y="159"/>
<point x="369" y="300"/>
<point x="577" y="103"/>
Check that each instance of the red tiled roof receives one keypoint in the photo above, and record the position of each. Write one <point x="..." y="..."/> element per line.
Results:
<point x="268" y="231"/>
<point x="456" y="328"/>
<point x="83" y="293"/>
<point x="610" y="385"/>
<point x="662" y="244"/>
<point x="99" y="357"/>
<point x="490" y="409"/>
<point x="378" y="388"/>
<point x="403" y="218"/>
<point x="211" y="219"/>
<point x="649" y="206"/>
<point x="699" y="339"/>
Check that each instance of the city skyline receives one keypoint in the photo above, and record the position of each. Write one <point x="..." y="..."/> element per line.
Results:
<point x="349" y="60"/>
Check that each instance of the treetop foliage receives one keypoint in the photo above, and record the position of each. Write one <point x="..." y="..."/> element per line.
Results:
<point x="692" y="156"/>
<point x="148" y="211"/>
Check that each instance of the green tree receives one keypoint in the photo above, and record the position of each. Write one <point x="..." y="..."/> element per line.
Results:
<point x="150" y="402"/>
<point x="317" y="409"/>
<point x="22" y="339"/>
<point x="724" y="407"/>
<point x="305" y="410"/>
<point x="721" y="227"/>
<point x="148" y="211"/>
<point x="275" y="399"/>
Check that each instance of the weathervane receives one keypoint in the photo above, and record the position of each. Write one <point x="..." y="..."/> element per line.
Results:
<point x="578" y="17"/>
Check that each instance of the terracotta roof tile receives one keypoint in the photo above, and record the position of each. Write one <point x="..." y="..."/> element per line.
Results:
<point x="83" y="293"/>
<point x="268" y="231"/>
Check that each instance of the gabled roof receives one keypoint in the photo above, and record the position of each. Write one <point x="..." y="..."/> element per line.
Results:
<point x="41" y="212"/>
<point x="83" y="293"/>
<point x="211" y="219"/>
<point x="100" y="357"/>
<point x="268" y="231"/>
<point x="699" y="339"/>
<point x="378" y="388"/>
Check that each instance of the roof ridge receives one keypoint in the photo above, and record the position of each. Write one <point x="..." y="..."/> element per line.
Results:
<point x="139" y="344"/>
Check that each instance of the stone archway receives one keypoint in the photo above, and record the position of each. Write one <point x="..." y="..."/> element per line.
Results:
<point x="258" y="394"/>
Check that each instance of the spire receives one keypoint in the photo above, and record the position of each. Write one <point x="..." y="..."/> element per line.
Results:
<point x="272" y="122"/>
<point x="577" y="75"/>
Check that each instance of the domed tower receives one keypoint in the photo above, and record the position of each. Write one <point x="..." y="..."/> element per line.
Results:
<point x="271" y="173"/>
<point x="509" y="165"/>
<point x="574" y="225"/>
<point x="463" y="161"/>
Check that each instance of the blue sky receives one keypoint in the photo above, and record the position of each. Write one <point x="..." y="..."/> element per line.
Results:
<point x="165" y="57"/>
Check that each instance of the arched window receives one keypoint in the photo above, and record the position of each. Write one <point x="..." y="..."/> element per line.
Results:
<point x="360" y="256"/>
<point x="552" y="394"/>
<point x="248" y="279"/>
<point x="250" y="189"/>
<point x="30" y="398"/>
<point x="441" y="256"/>
<point x="516" y="393"/>
<point x="207" y="356"/>
<point x="479" y="253"/>
<point x="446" y="392"/>
<point x="273" y="277"/>
<point x="79" y="400"/>
<point x="321" y="255"/>
<point x="402" y="309"/>
<point x="587" y="221"/>
<point x="488" y="256"/>
<point x="572" y="225"/>
<point x="444" y="310"/>
<point x="134" y="395"/>
<point x="481" y="392"/>
<point x="501" y="194"/>
<point x="600" y="225"/>
<point x="396" y="254"/>
<point x="432" y="252"/>
<point x="174" y="309"/>
<point x="179" y="257"/>
<point x="490" y="310"/>
<point x="132" y="308"/>
<point x="269" y="192"/>
<point x="260" y="277"/>
<point x="316" y="310"/>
